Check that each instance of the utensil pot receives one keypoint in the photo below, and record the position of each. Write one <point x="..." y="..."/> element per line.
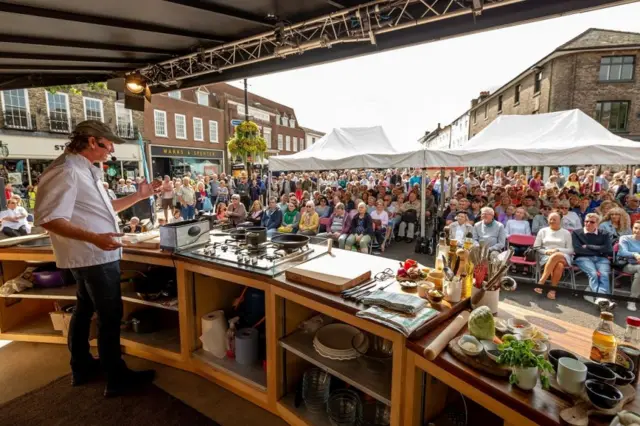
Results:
<point x="489" y="299"/>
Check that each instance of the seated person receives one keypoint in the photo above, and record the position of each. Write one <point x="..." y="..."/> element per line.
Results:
<point x="290" y="220"/>
<point x="451" y="211"/>
<point x="255" y="214"/>
<point x="556" y="248"/>
<point x="410" y="212"/>
<point x="584" y="207"/>
<point x="236" y="211"/>
<point x="14" y="219"/>
<point x="380" y="221"/>
<point x="489" y="231"/>
<point x="221" y="210"/>
<point x="632" y="206"/>
<point x="323" y="208"/>
<point x="509" y="214"/>
<point x="161" y="222"/>
<point x="361" y="230"/>
<point x="518" y="225"/>
<point x="309" y="220"/>
<point x="459" y="229"/>
<point x="340" y="225"/>
<point x="629" y="250"/>
<point x="570" y="220"/>
<point x="616" y="223"/>
<point x="394" y="208"/>
<point x="530" y="206"/>
<point x="541" y="220"/>
<point x="592" y="249"/>
<point x="133" y="227"/>
<point x="284" y="203"/>
<point x="272" y="217"/>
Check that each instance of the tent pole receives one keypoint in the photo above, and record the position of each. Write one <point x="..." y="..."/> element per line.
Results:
<point x="270" y="179"/>
<point x="442" y="191"/>
<point x="423" y="201"/>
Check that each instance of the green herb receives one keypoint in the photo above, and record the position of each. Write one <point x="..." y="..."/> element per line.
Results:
<point x="519" y="354"/>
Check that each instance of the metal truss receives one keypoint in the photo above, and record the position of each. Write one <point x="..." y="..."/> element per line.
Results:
<point x="359" y="24"/>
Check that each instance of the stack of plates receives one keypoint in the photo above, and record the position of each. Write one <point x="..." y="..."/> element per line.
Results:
<point x="333" y="341"/>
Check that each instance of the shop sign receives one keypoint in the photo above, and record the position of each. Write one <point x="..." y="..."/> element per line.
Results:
<point x="168" y="151"/>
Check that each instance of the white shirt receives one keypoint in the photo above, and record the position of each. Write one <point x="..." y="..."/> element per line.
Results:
<point x="382" y="217"/>
<point x="18" y="211"/>
<point x="71" y="189"/>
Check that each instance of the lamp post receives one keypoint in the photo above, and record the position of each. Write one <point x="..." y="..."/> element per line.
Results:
<point x="4" y="153"/>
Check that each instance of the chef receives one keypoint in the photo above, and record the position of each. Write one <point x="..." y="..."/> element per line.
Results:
<point x="74" y="207"/>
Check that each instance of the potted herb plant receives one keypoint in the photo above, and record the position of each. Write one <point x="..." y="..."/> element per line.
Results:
<point x="525" y="365"/>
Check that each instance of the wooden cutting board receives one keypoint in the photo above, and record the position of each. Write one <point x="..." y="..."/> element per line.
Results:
<point x="481" y="362"/>
<point x="331" y="272"/>
<point x="14" y="241"/>
<point x="146" y="240"/>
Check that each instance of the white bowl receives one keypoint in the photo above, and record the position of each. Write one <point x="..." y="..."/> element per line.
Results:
<point x="488" y="345"/>
<point x="468" y="338"/>
<point x="519" y="326"/>
<point x="501" y="325"/>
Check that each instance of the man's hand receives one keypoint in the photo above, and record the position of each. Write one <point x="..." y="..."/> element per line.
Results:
<point x="146" y="190"/>
<point x="107" y="241"/>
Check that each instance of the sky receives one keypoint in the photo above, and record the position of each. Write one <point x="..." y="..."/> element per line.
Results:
<point x="409" y="91"/>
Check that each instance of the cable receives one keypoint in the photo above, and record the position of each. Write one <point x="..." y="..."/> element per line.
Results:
<point x="466" y="411"/>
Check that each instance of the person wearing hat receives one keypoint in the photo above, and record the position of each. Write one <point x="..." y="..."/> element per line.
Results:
<point x="73" y="205"/>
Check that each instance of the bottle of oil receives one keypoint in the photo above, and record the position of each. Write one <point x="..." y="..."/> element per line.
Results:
<point x="443" y="249"/>
<point x="468" y="279"/>
<point x="603" y="343"/>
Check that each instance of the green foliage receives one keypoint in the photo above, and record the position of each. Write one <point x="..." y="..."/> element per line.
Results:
<point x="247" y="142"/>
<point x="519" y="354"/>
<point x="76" y="89"/>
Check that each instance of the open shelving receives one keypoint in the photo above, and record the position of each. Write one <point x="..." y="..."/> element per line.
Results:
<point x="351" y="371"/>
<point x="253" y="375"/>
<point x="167" y="339"/>
<point x="309" y="418"/>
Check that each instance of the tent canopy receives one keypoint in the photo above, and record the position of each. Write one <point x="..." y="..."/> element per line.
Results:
<point x="350" y="148"/>
<point x="566" y="138"/>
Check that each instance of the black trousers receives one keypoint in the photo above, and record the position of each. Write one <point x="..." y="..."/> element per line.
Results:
<point x="99" y="292"/>
<point x="15" y="232"/>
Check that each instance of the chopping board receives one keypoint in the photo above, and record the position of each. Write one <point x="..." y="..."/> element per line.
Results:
<point x="14" y="241"/>
<point x="145" y="240"/>
<point x="481" y="362"/>
<point x="331" y="272"/>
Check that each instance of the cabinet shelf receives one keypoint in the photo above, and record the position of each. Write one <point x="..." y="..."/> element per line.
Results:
<point x="253" y="375"/>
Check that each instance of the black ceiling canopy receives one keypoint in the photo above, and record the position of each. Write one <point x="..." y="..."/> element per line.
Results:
<point x="183" y="43"/>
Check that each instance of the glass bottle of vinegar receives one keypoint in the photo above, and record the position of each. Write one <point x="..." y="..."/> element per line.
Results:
<point x="603" y="343"/>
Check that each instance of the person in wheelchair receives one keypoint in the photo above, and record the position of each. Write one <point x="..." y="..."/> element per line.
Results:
<point x="410" y="212"/>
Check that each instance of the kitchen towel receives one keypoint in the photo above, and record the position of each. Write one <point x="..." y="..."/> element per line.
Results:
<point x="214" y="333"/>
<point x="247" y="346"/>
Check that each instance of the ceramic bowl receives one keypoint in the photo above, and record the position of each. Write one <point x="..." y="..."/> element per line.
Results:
<point x="467" y="338"/>
<point x="600" y="373"/>
<point x="540" y="348"/>
<point x="501" y="325"/>
<point x="603" y="395"/>
<point x="517" y="325"/>
<point x="556" y="354"/>
<point x="491" y="349"/>
<point x="424" y="287"/>
<point x="623" y="376"/>
<point x="435" y="298"/>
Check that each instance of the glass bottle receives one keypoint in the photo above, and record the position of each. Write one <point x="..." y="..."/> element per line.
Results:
<point x="628" y="352"/>
<point x="603" y="343"/>
<point x="468" y="272"/>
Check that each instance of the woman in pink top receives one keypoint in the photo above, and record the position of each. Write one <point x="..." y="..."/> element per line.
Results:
<point x="536" y="183"/>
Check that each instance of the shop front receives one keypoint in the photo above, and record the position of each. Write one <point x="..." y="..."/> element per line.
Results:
<point x="177" y="161"/>
<point x="28" y="156"/>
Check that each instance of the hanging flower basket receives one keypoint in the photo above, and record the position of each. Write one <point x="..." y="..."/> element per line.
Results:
<point x="247" y="142"/>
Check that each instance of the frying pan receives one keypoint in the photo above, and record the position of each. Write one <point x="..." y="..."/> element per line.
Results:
<point x="289" y="241"/>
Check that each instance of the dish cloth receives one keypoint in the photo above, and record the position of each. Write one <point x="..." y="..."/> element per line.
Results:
<point x="403" y="323"/>
<point x="404" y="303"/>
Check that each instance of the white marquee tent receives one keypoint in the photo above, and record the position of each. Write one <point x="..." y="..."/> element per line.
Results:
<point x="558" y="138"/>
<point x="350" y="148"/>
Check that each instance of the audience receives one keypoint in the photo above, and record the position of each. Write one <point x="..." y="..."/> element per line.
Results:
<point x="555" y="246"/>
<point x="290" y="219"/>
<point x="309" y="220"/>
<point x="272" y="217"/>
<point x="591" y="251"/>
<point x="361" y="229"/>
<point x="616" y="222"/>
<point x="629" y="251"/>
<point x="489" y="231"/>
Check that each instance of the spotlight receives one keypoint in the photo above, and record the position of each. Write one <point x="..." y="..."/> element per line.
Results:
<point x="135" y="83"/>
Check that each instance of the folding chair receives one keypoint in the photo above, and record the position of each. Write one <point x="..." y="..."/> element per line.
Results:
<point x="527" y="241"/>
<point x="617" y="273"/>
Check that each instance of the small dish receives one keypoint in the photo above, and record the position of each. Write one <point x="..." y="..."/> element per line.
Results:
<point x="491" y="349"/>
<point x="517" y="325"/>
<point x="408" y="284"/>
<point x="424" y="287"/>
<point x="501" y="325"/>
<point x="603" y="395"/>
<point x="465" y="343"/>
<point x="556" y="354"/>
<point x="600" y="373"/>
<point x="540" y="347"/>
<point x="623" y="376"/>
<point x="435" y="296"/>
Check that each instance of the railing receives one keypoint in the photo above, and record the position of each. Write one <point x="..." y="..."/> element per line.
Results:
<point x="15" y="118"/>
<point x="127" y="131"/>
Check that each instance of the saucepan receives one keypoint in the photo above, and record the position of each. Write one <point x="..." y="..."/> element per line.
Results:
<point x="289" y="241"/>
<point x="256" y="235"/>
<point x="238" y="234"/>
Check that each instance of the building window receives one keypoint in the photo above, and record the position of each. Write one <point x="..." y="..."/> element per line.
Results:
<point x="124" y="121"/>
<point x="285" y="121"/>
<point x="160" y="123"/>
<point x="93" y="109"/>
<point x="15" y="108"/>
<point x="278" y="119"/>
<point x="175" y="94"/>
<point x="292" y="122"/>
<point x="613" y="115"/>
<point x="58" y="107"/>
<point x="537" y="83"/>
<point x="295" y="143"/>
<point x="198" y="133"/>
<point x="287" y="143"/>
<point x="617" y="68"/>
<point x="280" y="143"/>
<point x="486" y="111"/>
<point x="181" y="126"/>
<point x="475" y="116"/>
<point x="266" y="134"/>
<point x="516" y="98"/>
<point x="213" y="131"/>
<point x="202" y="97"/>
<point x="499" y="103"/>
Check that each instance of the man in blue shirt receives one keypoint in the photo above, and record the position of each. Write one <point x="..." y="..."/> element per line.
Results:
<point x="629" y="250"/>
<point x="416" y="178"/>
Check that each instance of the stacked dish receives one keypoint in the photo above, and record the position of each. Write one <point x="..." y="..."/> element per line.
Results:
<point x="333" y="341"/>
<point x="344" y="408"/>
<point x="316" y="385"/>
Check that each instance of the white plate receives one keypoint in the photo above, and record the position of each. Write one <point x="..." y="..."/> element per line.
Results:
<point x="336" y="337"/>
<point x="335" y="353"/>
<point x="336" y="357"/>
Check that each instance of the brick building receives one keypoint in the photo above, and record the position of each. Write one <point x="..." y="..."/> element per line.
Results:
<point x="596" y="72"/>
<point x="35" y="126"/>
<point x="199" y="145"/>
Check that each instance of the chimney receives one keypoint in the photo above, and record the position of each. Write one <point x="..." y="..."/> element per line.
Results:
<point x="474" y="102"/>
<point x="483" y="95"/>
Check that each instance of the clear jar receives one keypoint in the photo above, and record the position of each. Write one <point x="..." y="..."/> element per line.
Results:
<point x="632" y="333"/>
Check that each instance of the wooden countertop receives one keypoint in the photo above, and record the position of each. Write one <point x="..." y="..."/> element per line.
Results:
<point x="542" y="406"/>
<point x="49" y="250"/>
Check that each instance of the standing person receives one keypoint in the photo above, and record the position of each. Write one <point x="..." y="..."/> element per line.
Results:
<point x="203" y="201"/>
<point x="167" y="196"/>
<point x="214" y="186"/>
<point x="630" y="251"/>
<point x="31" y="196"/>
<point x="110" y="193"/>
<point x="74" y="207"/>
<point x="243" y="190"/>
<point x="187" y="197"/>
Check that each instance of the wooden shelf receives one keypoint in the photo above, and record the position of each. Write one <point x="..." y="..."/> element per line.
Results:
<point x="352" y="371"/>
<point x="40" y="325"/>
<point x="253" y="375"/>
<point x="167" y="339"/>
<point x="69" y="293"/>
<point x="301" y="412"/>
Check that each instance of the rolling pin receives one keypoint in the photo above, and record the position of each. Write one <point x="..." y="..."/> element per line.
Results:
<point x="443" y="339"/>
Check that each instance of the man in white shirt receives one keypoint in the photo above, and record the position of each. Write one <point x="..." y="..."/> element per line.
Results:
<point x="570" y="219"/>
<point x="74" y="207"/>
